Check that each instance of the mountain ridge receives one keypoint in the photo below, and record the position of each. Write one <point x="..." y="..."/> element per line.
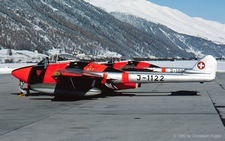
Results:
<point x="172" y="18"/>
<point x="79" y="27"/>
<point x="185" y="42"/>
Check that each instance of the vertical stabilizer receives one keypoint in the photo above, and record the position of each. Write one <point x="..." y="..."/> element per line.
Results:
<point x="207" y="64"/>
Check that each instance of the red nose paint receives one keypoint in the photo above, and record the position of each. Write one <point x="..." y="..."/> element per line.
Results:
<point x="22" y="73"/>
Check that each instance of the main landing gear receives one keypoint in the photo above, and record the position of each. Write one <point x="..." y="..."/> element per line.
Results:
<point x="24" y="90"/>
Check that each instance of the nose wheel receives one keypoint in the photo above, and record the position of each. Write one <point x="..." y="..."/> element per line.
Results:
<point x="24" y="90"/>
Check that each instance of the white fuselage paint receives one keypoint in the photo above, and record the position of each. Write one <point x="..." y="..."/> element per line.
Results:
<point x="153" y="77"/>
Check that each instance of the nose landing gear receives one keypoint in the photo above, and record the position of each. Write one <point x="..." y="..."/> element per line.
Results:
<point x="24" y="90"/>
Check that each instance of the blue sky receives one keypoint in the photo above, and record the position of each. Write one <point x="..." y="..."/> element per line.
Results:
<point x="213" y="10"/>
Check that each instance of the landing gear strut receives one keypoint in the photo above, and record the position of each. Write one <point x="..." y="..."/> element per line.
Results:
<point x="24" y="90"/>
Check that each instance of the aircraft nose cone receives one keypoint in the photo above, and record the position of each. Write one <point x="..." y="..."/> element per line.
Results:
<point x="22" y="73"/>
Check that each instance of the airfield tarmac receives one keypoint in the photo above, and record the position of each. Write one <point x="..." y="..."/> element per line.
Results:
<point x="143" y="114"/>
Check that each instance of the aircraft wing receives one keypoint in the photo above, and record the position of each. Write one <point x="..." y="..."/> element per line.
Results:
<point x="74" y="73"/>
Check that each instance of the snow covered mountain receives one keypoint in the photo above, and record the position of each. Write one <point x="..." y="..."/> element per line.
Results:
<point x="171" y="18"/>
<point x="79" y="27"/>
<point x="174" y="41"/>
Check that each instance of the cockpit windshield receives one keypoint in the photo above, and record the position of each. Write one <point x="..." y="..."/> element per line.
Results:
<point x="44" y="62"/>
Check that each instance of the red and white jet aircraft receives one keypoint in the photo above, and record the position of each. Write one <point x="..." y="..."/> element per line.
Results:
<point x="85" y="79"/>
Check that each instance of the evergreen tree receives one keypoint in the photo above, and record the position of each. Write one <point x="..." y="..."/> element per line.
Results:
<point x="9" y="52"/>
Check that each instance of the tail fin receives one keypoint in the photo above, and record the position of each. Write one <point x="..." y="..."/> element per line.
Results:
<point x="207" y="64"/>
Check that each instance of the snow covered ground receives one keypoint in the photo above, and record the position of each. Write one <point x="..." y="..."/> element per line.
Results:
<point x="8" y="67"/>
<point x="20" y="56"/>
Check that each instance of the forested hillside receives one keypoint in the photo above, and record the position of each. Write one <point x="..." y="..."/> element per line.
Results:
<point x="76" y="26"/>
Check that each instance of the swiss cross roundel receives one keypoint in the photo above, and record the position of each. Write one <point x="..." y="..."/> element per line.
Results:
<point x="201" y="65"/>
